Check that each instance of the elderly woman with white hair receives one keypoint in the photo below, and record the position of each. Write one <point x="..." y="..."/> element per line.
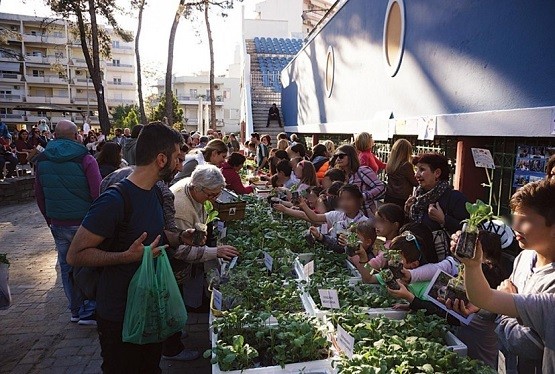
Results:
<point x="205" y="184"/>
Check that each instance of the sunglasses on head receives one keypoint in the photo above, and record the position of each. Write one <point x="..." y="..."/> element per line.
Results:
<point x="409" y="236"/>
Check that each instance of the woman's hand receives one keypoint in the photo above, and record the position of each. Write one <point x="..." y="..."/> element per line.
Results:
<point x="436" y="213"/>
<point x="402" y="292"/>
<point x="409" y="203"/>
<point x="227" y="252"/>
<point x="186" y="237"/>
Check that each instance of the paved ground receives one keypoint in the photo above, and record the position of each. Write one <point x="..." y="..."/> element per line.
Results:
<point x="35" y="333"/>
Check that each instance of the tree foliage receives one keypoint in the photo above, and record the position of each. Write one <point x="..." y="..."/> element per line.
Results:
<point x="95" y="40"/>
<point x="121" y="112"/>
<point x="159" y="112"/>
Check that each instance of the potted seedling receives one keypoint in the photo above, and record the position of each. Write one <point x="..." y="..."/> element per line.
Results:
<point x="389" y="279"/>
<point x="201" y="229"/>
<point x="352" y="240"/>
<point x="394" y="263"/>
<point x="5" y="295"/>
<point x="455" y="287"/>
<point x="479" y="212"/>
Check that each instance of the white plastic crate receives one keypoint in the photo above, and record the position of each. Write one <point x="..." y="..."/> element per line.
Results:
<point x="311" y="367"/>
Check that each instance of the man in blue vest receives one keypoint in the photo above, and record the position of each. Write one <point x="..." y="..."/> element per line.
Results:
<point x="67" y="181"/>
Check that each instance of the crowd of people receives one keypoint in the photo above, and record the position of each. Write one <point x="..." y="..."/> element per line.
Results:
<point x="105" y="199"/>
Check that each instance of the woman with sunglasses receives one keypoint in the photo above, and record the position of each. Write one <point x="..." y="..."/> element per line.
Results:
<point x="214" y="153"/>
<point x="372" y="188"/>
<point x="435" y="203"/>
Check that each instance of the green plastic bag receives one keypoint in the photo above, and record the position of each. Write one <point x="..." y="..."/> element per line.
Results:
<point x="155" y="308"/>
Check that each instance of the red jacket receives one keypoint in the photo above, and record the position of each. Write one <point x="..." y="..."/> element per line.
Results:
<point x="233" y="180"/>
<point x="367" y="158"/>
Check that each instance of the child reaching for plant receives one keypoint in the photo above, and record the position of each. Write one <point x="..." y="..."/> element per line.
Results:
<point x="350" y="202"/>
<point x="405" y="252"/>
<point x="364" y="237"/>
<point x="389" y="219"/>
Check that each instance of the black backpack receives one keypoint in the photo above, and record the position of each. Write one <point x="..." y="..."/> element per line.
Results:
<point x="86" y="278"/>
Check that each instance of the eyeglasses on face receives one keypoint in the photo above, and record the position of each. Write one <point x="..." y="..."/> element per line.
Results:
<point x="211" y="195"/>
<point x="409" y="236"/>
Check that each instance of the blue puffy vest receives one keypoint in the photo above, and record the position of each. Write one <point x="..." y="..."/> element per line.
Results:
<point x="63" y="180"/>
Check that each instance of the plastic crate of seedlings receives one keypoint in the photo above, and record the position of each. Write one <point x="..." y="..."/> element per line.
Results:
<point x="245" y="342"/>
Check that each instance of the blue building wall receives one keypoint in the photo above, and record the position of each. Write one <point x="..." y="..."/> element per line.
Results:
<point x="459" y="57"/>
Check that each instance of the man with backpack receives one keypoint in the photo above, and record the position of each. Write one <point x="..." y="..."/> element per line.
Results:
<point x="67" y="181"/>
<point x="158" y="150"/>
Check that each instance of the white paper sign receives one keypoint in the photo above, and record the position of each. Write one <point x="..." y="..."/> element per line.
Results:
<point x="427" y="128"/>
<point x="271" y="321"/>
<point x="552" y="121"/>
<point x="223" y="233"/>
<point x="268" y="261"/>
<point x="345" y="341"/>
<point x="482" y="158"/>
<point x="329" y="299"/>
<point x="308" y="269"/>
<point x="217" y="295"/>
<point x="233" y="262"/>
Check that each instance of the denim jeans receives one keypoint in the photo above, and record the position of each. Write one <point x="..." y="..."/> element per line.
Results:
<point x="63" y="235"/>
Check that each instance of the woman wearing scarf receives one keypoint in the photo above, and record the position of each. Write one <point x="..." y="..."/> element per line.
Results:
<point x="435" y="203"/>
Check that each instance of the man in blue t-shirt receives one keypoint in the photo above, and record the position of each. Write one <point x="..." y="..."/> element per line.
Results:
<point x="158" y="148"/>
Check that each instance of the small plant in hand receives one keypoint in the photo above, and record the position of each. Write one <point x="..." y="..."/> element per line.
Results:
<point x="479" y="213"/>
<point x="352" y="242"/>
<point x="394" y="263"/>
<point x="455" y="287"/>
<point x="201" y="229"/>
<point x="389" y="279"/>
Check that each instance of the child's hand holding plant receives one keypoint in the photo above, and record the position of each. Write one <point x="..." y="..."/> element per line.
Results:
<point x="402" y="293"/>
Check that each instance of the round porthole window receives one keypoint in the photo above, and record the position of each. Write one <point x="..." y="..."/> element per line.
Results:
<point x="330" y="71"/>
<point x="394" y="35"/>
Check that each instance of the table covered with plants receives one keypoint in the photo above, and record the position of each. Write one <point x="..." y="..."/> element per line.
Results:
<point x="289" y="306"/>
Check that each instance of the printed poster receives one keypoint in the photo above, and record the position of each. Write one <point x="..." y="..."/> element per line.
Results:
<point x="530" y="164"/>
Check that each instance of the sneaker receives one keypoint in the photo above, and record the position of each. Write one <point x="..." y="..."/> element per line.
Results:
<point x="184" y="355"/>
<point x="74" y="318"/>
<point x="88" y="321"/>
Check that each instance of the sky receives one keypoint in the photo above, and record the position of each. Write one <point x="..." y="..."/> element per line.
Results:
<point x="191" y="46"/>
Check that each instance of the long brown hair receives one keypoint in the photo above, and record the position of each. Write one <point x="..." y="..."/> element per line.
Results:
<point x="401" y="153"/>
<point x="351" y="152"/>
<point x="308" y="175"/>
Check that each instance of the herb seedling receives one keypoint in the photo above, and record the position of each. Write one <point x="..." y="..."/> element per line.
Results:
<point x="479" y="212"/>
<point x="201" y="229"/>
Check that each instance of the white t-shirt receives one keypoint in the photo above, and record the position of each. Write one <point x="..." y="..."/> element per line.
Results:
<point x="338" y="220"/>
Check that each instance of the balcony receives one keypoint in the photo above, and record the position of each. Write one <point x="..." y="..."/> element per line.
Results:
<point x="123" y="48"/>
<point x="9" y="57"/>
<point x="49" y="79"/>
<point x="10" y="77"/>
<point x="79" y="62"/>
<point x="55" y="120"/>
<point x="53" y="38"/>
<point x="120" y="67"/>
<point x="10" y="98"/>
<point x="36" y="59"/>
<point x="48" y="99"/>
<point x="11" y="117"/>
<point x="83" y="100"/>
<point x="121" y="85"/>
<point x="82" y="81"/>
<point x="118" y="101"/>
<point x="188" y="100"/>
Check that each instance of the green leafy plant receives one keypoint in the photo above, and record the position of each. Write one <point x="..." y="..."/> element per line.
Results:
<point x="211" y="212"/>
<point x="479" y="212"/>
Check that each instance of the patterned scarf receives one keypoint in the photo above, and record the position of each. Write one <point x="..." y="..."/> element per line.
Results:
<point x="424" y="199"/>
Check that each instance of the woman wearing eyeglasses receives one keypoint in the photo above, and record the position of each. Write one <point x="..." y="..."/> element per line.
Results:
<point x="435" y="203"/>
<point x="214" y="153"/>
<point x="372" y="188"/>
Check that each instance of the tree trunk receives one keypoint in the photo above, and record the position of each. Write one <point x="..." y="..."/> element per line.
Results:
<point x="211" y="47"/>
<point x="169" y="66"/>
<point x="93" y="62"/>
<point x="142" y="113"/>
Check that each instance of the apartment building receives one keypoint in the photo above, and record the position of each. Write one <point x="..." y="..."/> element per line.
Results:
<point x="43" y="73"/>
<point x="193" y="94"/>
